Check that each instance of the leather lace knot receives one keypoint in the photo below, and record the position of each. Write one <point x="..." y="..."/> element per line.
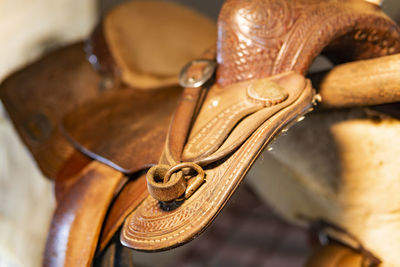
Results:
<point x="179" y="182"/>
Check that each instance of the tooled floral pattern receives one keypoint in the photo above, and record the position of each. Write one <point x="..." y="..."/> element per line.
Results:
<point x="250" y="33"/>
<point x="275" y="36"/>
<point x="259" y="21"/>
<point x="307" y="24"/>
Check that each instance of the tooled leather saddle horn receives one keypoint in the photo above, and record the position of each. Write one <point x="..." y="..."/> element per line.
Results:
<point x="163" y="161"/>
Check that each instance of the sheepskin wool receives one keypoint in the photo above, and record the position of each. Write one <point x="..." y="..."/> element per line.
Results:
<point x="342" y="167"/>
<point x="26" y="202"/>
<point x="29" y="28"/>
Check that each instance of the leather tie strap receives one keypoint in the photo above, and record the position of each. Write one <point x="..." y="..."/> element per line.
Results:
<point x="174" y="183"/>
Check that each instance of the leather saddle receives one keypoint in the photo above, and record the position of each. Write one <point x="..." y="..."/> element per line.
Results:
<point x="126" y="146"/>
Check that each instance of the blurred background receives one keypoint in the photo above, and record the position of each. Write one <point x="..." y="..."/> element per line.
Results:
<point x="240" y="236"/>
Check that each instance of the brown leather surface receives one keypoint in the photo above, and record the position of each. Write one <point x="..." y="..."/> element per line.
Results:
<point x="150" y="41"/>
<point x="77" y="221"/>
<point x="257" y="39"/>
<point x="37" y="97"/>
<point x="68" y="174"/>
<point x="125" y="129"/>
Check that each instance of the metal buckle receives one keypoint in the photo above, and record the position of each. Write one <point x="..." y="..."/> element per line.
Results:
<point x="197" y="72"/>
